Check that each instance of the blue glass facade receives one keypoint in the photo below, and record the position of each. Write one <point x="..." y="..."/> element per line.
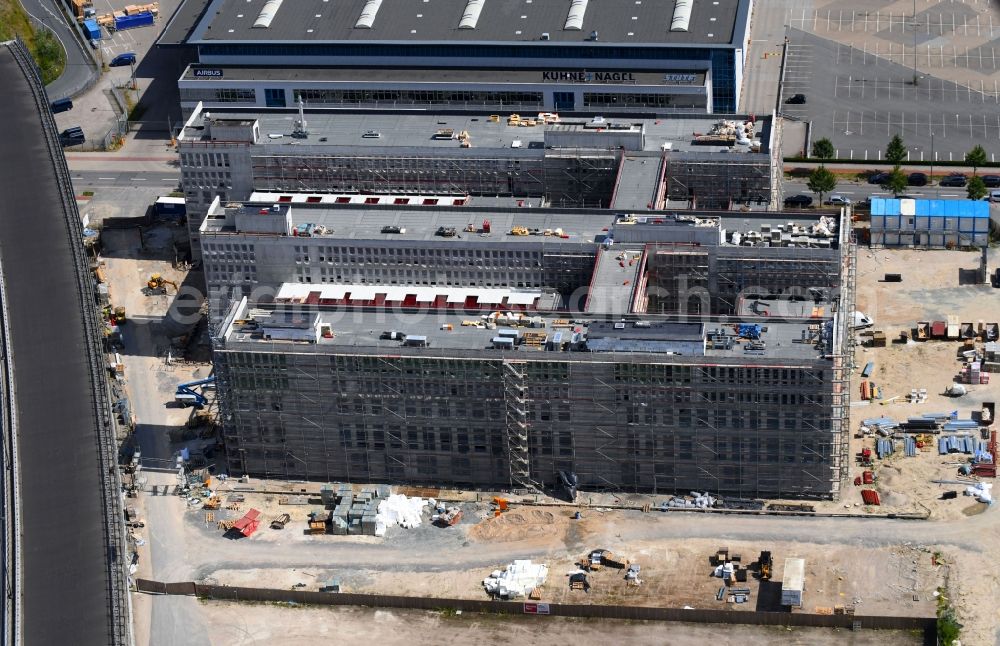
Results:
<point x="724" y="80"/>
<point x="720" y="59"/>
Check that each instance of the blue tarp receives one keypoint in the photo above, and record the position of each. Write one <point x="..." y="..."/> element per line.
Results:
<point x="749" y="331"/>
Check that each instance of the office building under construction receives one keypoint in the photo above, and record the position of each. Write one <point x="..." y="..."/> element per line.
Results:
<point x="517" y="368"/>
<point x="622" y="163"/>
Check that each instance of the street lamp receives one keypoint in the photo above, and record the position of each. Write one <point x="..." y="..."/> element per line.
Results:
<point x="932" y="162"/>
<point x="914" y="42"/>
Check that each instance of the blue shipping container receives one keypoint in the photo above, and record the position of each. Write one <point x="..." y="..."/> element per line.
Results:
<point x="143" y="19"/>
<point x="93" y="31"/>
<point x="172" y="206"/>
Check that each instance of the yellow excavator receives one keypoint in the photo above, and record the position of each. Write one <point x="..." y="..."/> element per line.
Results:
<point x="157" y="284"/>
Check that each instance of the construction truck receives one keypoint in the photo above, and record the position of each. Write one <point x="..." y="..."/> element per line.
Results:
<point x="157" y="284"/>
<point x="766" y="565"/>
<point x="83" y="9"/>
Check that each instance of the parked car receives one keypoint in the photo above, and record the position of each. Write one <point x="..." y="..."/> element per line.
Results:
<point x="838" y="200"/>
<point x="953" y="180"/>
<point x="916" y="179"/>
<point x="991" y="181"/>
<point x="796" y="99"/>
<point x="61" y="105"/>
<point x="994" y="196"/>
<point x="72" y="136"/>
<point x="878" y="178"/>
<point x="121" y="60"/>
<point x="798" y="200"/>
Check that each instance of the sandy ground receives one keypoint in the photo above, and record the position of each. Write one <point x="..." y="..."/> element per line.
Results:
<point x="233" y="624"/>
<point x="874" y="581"/>
<point x="127" y="261"/>
<point x="933" y="292"/>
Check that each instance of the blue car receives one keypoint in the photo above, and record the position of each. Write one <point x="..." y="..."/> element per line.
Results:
<point x="128" y="58"/>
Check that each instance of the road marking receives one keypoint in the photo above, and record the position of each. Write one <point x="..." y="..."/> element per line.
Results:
<point x="167" y="179"/>
<point x="106" y="178"/>
<point x="138" y="179"/>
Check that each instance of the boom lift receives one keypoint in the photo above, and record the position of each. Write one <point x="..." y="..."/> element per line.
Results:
<point x="187" y="396"/>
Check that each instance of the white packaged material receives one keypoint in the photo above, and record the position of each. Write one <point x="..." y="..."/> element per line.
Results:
<point x="399" y="510"/>
<point x="517" y="580"/>
<point x="981" y="492"/>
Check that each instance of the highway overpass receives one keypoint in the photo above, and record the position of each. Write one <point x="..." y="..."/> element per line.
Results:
<point x="68" y="584"/>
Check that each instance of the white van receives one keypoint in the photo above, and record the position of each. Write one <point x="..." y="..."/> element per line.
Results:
<point x="994" y="196"/>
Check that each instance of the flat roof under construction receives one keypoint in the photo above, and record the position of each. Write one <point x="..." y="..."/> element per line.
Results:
<point x="432" y="332"/>
<point x="331" y="130"/>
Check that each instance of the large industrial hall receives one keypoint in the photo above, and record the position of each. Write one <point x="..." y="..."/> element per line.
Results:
<point x="609" y="55"/>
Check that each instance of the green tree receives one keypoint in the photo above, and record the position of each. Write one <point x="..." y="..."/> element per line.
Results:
<point x="976" y="158"/>
<point x="896" y="182"/>
<point x="895" y="152"/>
<point x="976" y="188"/>
<point x="823" y="149"/>
<point x="821" y="181"/>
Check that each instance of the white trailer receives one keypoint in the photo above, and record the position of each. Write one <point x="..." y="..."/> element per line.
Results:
<point x="792" y="582"/>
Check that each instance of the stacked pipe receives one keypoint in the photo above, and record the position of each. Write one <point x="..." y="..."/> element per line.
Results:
<point x="960" y="425"/>
<point x="956" y="444"/>
<point x="884" y="448"/>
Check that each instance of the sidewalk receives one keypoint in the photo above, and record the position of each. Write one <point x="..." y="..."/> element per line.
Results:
<point x="939" y="170"/>
<point x="139" y="154"/>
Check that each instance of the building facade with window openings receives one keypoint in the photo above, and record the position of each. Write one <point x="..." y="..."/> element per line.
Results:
<point x="633" y="163"/>
<point x="475" y="386"/>
<point x="503" y="55"/>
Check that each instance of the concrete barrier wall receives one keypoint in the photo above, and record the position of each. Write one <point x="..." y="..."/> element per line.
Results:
<point x="232" y="593"/>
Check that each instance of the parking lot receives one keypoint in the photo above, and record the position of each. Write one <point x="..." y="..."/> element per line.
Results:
<point x="868" y="75"/>
<point x="157" y="70"/>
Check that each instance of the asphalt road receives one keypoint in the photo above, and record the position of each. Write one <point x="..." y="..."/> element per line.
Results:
<point x="857" y="192"/>
<point x="111" y="178"/>
<point x="66" y="579"/>
<point x="80" y="67"/>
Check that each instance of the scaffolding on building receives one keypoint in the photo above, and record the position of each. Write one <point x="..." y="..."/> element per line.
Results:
<point x="620" y="421"/>
<point x="517" y="426"/>
<point x="404" y="174"/>
<point x="719" y="180"/>
<point x="580" y="178"/>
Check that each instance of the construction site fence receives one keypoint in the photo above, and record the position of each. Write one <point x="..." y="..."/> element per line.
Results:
<point x="706" y="616"/>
